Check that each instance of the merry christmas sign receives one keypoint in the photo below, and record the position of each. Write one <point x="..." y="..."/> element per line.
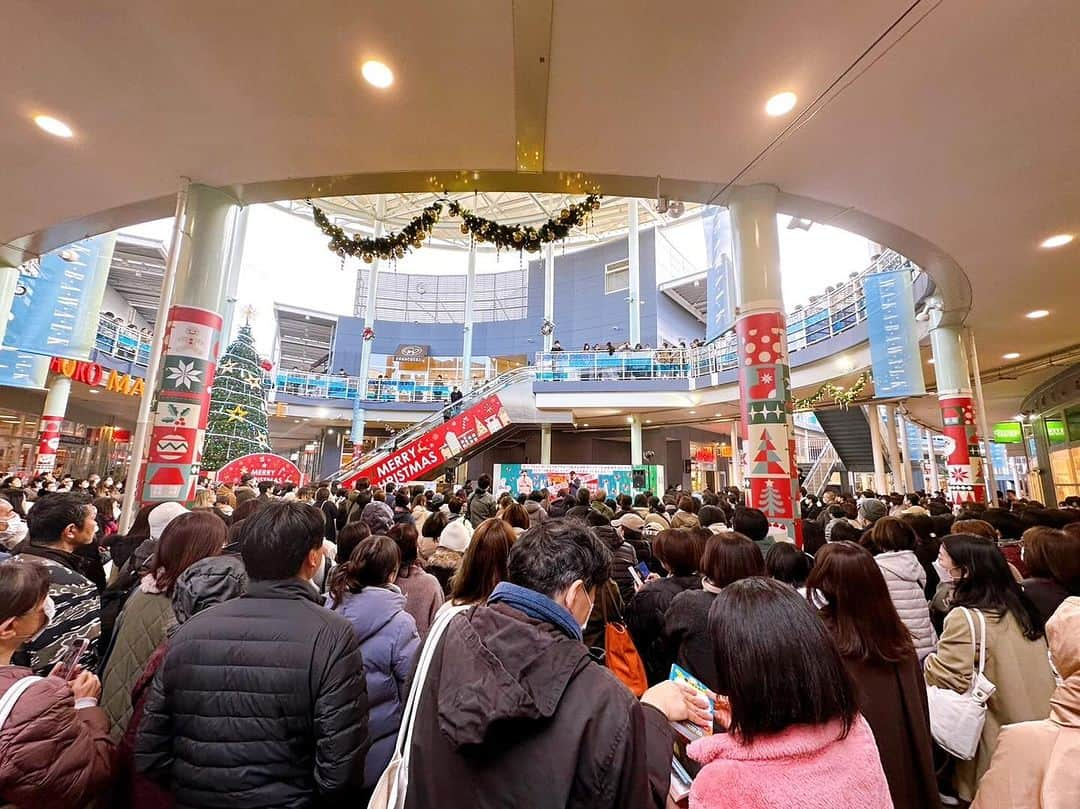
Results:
<point x="262" y="466"/>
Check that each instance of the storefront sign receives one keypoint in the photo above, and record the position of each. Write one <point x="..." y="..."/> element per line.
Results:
<point x="417" y="459"/>
<point x="894" y="340"/>
<point x="58" y="299"/>
<point x="1055" y="431"/>
<point x="261" y="466"/>
<point x="90" y="373"/>
<point x="1007" y="432"/>
<point x="411" y="352"/>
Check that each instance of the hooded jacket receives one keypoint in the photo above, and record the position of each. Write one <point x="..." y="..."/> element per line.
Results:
<point x="801" y="763"/>
<point x="1036" y="763"/>
<point x="423" y="595"/>
<point x="514" y="713"/>
<point x="906" y="579"/>
<point x="389" y="644"/>
<point x="260" y="702"/>
<point x="52" y="755"/>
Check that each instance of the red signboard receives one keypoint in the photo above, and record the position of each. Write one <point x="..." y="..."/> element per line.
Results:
<point x="262" y="466"/>
<point x="434" y="448"/>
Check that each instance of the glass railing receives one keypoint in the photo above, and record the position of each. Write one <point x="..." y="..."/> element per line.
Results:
<point x="838" y="309"/>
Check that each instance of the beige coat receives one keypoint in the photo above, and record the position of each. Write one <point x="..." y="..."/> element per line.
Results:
<point x="1037" y="764"/>
<point x="1018" y="667"/>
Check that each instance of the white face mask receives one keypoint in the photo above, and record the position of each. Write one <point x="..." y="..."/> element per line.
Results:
<point x="49" y="608"/>
<point x="943" y="574"/>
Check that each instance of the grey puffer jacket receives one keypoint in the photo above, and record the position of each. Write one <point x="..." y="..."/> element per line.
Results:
<point x="906" y="579"/>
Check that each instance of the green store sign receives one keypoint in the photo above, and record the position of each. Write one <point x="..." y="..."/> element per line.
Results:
<point x="1008" y="432"/>
<point x="1055" y="431"/>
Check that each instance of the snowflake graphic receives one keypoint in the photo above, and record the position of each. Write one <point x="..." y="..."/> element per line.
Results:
<point x="183" y="374"/>
<point x="958" y="475"/>
<point x="766" y="378"/>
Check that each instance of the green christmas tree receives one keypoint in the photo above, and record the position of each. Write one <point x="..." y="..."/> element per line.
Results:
<point x="236" y="424"/>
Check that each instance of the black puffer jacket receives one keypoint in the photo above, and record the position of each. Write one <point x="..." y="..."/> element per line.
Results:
<point x="645" y="620"/>
<point x="260" y="702"/>
<point x="623" y="557"/>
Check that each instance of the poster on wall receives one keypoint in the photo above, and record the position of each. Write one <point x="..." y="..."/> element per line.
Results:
<point x="720" y="275"/>
<point x="444" y="443"/>
<point x="894" y="340"/>
<point x="526" y="478"/>
<point x="57" y="300"/>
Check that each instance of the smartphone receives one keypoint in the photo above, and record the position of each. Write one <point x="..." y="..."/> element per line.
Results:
<point x="644" y="570"/>
<point x="68" y="666"/>
<point x="636" y="575"/>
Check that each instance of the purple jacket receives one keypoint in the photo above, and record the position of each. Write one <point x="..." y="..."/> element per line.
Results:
<point x="389" y="645"/>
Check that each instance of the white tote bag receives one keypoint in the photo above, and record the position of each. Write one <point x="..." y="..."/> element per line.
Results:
<point x="956" y="720"/>
<point x="394" y="782"/>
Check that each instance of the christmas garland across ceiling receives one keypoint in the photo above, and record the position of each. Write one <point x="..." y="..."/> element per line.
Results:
<point x="412" y="236"/>
<point x="840" y="396"/>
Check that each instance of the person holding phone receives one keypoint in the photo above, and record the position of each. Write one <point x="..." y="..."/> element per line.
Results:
<point x="54" y="740"/>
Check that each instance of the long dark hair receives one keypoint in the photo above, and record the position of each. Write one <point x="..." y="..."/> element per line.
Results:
<point x="485" y="562"/>
<point x="859" y="612"/>
<point x="23" y="585"/>
<point x="988" y="584"/>
<point x="185" y="540"/>
<point x="371" y="564"/>
<point x="729" y="557"/>
<point x="775" y="661"/>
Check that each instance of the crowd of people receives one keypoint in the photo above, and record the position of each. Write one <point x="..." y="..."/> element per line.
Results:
<point x="259" y="647"/>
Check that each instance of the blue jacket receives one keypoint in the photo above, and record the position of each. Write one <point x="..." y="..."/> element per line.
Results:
<point x="389" y="645"/>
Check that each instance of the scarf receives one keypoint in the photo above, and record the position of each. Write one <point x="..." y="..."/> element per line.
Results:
<point x="708" y="586"/>
<point x="536" y="605"/>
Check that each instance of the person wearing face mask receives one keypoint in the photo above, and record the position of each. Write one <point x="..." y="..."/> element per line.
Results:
<point x="60" y="524"/>
<point x="54" y="744"/>
<point x="12" y="526"/>
<point x="513" y="710"/>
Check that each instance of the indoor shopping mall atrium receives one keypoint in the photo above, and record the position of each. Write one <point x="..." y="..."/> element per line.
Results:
<point x="539" y="403"/>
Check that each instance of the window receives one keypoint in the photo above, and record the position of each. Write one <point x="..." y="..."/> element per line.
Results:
<point x="617" y="276"/>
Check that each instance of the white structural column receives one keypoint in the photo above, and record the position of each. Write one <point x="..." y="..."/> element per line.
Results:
<point x="470" y="300"/>
<point x="545" y="443"/>
<point x="635" y="272"/>
<point x="899" y="482"/>
<point x="935" y="483"/>
<point x="181" y="233"/>
<point x="907" y="474"/>
<point x="984" y="425"/>
<point x="359" y="414"/>
<point x="52" y="416"/>
<point x="636" y="456"/>
<point x="549" y="291"/>
<point x="874" y="419"/>
<point x="736" y="458"/>
<point x="232" y="282"/>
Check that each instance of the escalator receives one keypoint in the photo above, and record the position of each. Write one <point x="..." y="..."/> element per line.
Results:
<point x="849" y="433"/>
<point x="450" y="436"/>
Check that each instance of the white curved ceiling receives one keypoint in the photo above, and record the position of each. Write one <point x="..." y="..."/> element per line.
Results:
<point x="961" y="125"/>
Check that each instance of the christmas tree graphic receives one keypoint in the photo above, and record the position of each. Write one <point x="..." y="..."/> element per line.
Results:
<point x="767" y="460"/>
<point x="236" y="424"/>
<point x="771" y="501"/>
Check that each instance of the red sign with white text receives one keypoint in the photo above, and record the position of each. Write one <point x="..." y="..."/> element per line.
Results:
<point x="262" y="466"/>
<point x="437" y="446"/>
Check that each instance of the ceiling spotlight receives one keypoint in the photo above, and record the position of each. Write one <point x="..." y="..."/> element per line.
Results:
<point x="1037" y="313"/>
<point x="676" y="209"/>
<point x="630" y="419"/>
<point x="1059" y="240"/>
<point x="781" y="103"/>
<point x="1012" y="355"/>
<point x="54" y="126"/>
<point x="662" y="205"/>
<point x="377" y="74"/>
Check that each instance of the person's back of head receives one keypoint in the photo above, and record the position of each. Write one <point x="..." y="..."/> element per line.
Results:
<point x="859" y="611"/>
<point x="405" y="535"/>
<point x="679" y="550"/>
<point x="483" y="483"/>
<point x="354" y="532"/>
<point x="757" y="625"/>
<point x="891" y="534"/>
<point x="842" y="531"/>
<point x="1007" y="524"/>
<point x="374" y="562"/>
<point x="729" y="557"/>
<point x="1052" y="553"/>
<point x="750" y="522"/>
<point x="434" y="525"/>
<point x="283" y="540"/>
<point x="584" y="496"/>
<point x="322" y="494"/>
<point x="784" y="562"/>
<point x="485" y="562"/>
<point x="554" y="556"/>
<point x="265" y="486"/>
<point x="188" y="538"/>
<point x="516" y="515"/>
<point x="711" y="515"/>
<point x="54" y="513"/>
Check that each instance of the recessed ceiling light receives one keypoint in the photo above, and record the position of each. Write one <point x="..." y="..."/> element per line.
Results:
<point x="931" y="360"/>
<point x="1059" y="240"/>
<point x="584" y="425"/>
<point x="648" y="421"/>
<point x="630" y="419"/>
<point x="781" y="103"/>
<point x="1012" y="355"/>
<point x="95" y="390"/>
<point x="1037" y="313"/>
<point x="377" y="74"/>
<point x="54" y="126"/>
<point x="692" y="412"/>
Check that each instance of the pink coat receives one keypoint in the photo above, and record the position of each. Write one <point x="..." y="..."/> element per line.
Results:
<point x="807" y="766"/>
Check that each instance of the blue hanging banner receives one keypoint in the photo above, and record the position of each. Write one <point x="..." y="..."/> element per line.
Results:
<point x="720" y="276"/>
<point x="18" y="369"/>
<point x="58" y="300"/>
<point x="894" y="340"/>
<point x="916" y="450"/>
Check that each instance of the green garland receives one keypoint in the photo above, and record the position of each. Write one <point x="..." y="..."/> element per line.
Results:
<point x="412" y="236"/>
<point x="841" y="396"/>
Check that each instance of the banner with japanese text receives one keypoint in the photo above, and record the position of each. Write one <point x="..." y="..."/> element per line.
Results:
<point x="894" y="340"/>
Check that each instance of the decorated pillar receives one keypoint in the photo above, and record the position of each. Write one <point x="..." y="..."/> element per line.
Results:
<point x="764" y="375"/>
<point x="190" y="350"/>
<point x="52" y="415"/>
<point x="963" y="453"/>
